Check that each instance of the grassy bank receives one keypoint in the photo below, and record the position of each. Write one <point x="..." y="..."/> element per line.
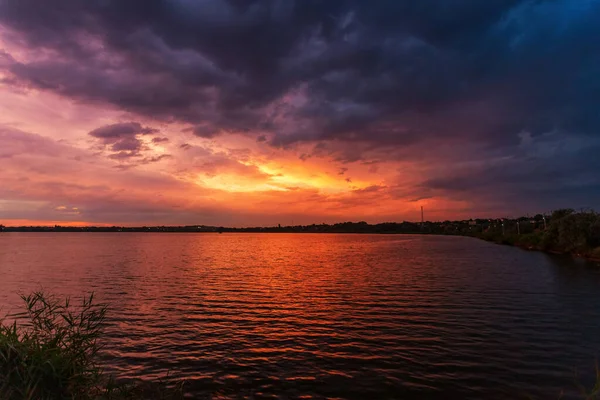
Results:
<point x="567" y="232"/>
<point x="50" y="352"/>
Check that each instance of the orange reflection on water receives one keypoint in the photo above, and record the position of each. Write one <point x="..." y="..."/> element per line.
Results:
<point x="299" y="314"/>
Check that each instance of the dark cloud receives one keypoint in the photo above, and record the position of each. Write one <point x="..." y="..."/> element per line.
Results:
<point x="392" y="79"/>
<point x="121" y="130"/>
<point x="204" y="131"/>
<point x="362" y="66"/>
<point x="549" y="172"/>
<point x="160" y="140"/>
<point x="154" y="159"/>
<point x="122" y="138"/>
<point x="371" y="189"/>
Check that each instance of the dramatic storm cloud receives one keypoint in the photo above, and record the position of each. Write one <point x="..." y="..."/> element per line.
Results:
<point x="306" y="110"/>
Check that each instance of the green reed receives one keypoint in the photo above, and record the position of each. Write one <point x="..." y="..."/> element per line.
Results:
<point x="50" y="352"/>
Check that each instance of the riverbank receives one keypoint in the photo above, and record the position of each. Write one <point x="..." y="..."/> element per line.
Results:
<point x="525" y="244"/>
<point x="567" y="233"/>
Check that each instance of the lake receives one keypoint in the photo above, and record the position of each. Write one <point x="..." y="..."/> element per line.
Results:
<point x="325" y="315"/>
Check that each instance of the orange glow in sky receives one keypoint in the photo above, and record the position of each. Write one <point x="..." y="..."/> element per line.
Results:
<point x="53" y="167"/>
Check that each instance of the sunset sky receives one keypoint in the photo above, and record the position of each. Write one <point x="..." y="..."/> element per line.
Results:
<point x="242" y="112"/>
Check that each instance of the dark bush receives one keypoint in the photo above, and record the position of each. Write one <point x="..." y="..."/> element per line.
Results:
<point x="49" y="352"/>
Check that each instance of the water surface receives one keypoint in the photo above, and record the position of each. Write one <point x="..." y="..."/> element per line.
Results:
<point x="325" y="315"/>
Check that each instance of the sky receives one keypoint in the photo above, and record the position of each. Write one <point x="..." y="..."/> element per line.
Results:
<point x="259" y="112"/>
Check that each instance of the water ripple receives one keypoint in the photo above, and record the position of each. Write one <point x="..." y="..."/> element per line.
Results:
<point x="325" y="316"/>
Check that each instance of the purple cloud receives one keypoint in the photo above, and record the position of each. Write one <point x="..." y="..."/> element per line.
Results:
<point x="122" y="138"/>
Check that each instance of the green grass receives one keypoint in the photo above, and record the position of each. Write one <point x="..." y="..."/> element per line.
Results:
<point x="594" y="392"/>
<point x="50" y="352"/>
<point x="567" y="232"/>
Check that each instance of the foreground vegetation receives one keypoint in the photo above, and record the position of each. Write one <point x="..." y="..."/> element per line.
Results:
<point x="565" y="232"/>
<point x="50" y="352"/>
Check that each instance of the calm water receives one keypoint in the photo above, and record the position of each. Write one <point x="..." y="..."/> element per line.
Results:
<point x="315" y="316"/>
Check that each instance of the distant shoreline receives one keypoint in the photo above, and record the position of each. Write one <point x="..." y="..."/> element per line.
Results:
<point x="447" y="227"/>
<point x="564" y="232"/>
<point x="460" y="227"/>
